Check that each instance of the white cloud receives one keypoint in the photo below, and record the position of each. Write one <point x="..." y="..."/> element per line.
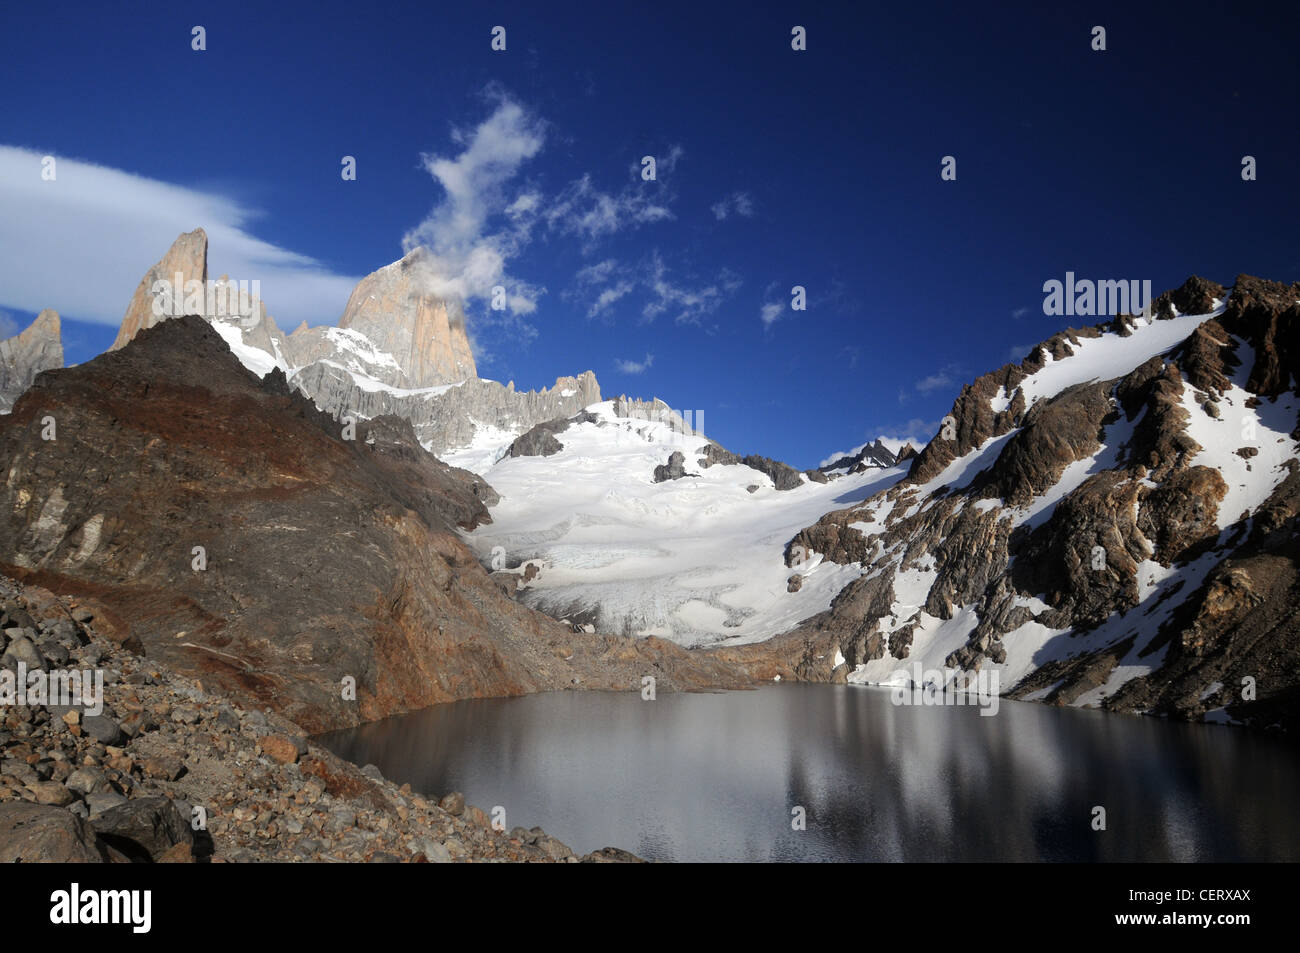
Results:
<point x="635" y="367"/>
<point x="916" y="431"/>
<point x="81" y="243"/>
<point x="597" y="273"/>
<point x="1019" y="313"/>
<point x="669" y="162"/>
<point x="770" y="312"/>
<point x="917" y="434"/>
<point x="691" y="304"/>
<point x="583" y="210"/>
<point x="467" y="257"/>
<point x="665" y="162"/>
<point x="946" y="378"/>
<point x="609" y="296"/>
<point x="526" y="203"/>
<point x="610" y="282"/>
<point x="895" y="444"/>
<point x="935" y="382"/>
<point x="739" y="203"/>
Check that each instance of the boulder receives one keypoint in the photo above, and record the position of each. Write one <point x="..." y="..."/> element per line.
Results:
<point x="151" y="825"/>
<point x="39" y="834"/>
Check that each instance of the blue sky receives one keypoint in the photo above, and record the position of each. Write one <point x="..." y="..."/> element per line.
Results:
<point x="776" y="168"/>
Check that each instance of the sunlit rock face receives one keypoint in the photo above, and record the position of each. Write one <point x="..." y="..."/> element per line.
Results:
<point x="25" y="355"/>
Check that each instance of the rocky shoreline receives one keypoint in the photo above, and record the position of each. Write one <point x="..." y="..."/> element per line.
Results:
<point x="169" y="771"/>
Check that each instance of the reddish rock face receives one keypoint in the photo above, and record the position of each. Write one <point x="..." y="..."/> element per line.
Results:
<point x="187" y="257"/>
<point x="395" y="307"/>
<point x="324" y="562"/>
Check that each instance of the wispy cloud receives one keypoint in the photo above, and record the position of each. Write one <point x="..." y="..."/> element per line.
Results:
<point x="665" y="162"/>
<point x="584" y="210"/>
<point x="608" y="297"/>
<point x="661" y="292"/>
<point x="935" y="382"/>
<point x="122" y="224"/>
<point x="479" y="225"/>
<point x="738" y="203"/>
<point x="946" y="378"/>
<point x="635" y="367"/>
<point x="690" y="304"/>
<point x="596" y="273"/>
<point x="917" y="432"/>
<point x="1019" y="313"/>
<point x="770" y="313"/>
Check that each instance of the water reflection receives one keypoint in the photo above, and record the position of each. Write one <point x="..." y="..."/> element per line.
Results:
<point x="714" y="777"/>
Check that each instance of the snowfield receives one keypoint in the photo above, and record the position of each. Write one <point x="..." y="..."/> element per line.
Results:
<point x="699" y="560"/>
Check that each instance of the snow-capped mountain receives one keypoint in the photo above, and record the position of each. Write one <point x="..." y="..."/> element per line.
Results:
<point x="873" y="454"/>
<point x="397" y="349"/>
<point x="1112" y="522"/>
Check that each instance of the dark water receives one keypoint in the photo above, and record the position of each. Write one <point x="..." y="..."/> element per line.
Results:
<point x="715" y="777"/>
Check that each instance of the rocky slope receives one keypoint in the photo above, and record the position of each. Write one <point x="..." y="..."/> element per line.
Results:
<point x="322" y="558"/>
<point x="23" y="356"/>
<point x="169" y="772"/>
<point x="1112" y="522"/>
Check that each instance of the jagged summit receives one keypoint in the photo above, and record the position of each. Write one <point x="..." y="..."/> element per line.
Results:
<point x="394" y="308"/>
<point x="398" y="349"/>
<point x="421" y="338"/>
<point x="874" y="454"/>
<point x="187" y="257"/>
<point x="38" y="348"/>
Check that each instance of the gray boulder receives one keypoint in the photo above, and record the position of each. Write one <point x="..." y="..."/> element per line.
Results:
<point x="152" y="824"/>
<point x="38" y="834"/>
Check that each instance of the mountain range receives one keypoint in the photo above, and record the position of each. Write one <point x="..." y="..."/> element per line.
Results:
<point x="1109" y="523"/>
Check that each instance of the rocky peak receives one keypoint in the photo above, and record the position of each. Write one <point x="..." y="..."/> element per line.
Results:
<point x="869" y="455"/>
<point x="188" y="257"/>
<point x="23" y="356"/>
<point x="1266" y="314"/>
<point x="1196" y="295"/>
<point x="1130" y="542"/>
<point x="395" y="308"/>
